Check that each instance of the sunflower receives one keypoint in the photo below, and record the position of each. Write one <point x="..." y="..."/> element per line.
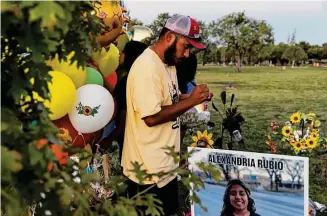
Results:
<point x="64" y="135"/>
<point x="314" y="135"/>
<point x="297" y="146"/>
<point x="87" y="110"/>
<point x="63" y="132"/>
<point x="291" y="140"/>
<point x="202" y="140"/>
<point x="312" y="143"/>
<point x="286" y="131"/>
<point x="304" y="145"/>
<point x="296" y="117"/>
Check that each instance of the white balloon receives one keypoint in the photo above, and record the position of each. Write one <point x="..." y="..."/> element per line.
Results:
<point x="93" y="110"/>
<point x="141" y="32"/>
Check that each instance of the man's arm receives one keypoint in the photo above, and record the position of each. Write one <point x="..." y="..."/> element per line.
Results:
<point x="171" y="112"/>
<point x="183" y="96"/>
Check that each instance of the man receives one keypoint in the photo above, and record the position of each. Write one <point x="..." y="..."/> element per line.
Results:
<point x="153" y="107"/>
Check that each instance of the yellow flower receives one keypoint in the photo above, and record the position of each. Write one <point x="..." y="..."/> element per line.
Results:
<point x="64" y="135"/>
<point x="304" y="145"/>
<point x="297" y="146"/>
<point x="314" y="135"/>
<point x="296" y="117"/>
<point x="63" y="132"/>
<point x="312" y="143"/>
<point x="291" y="140"/>
<point x="311" y="116"/>
<point x="286" y="131"/>
<point x="315" y="130"/>
<point x="202" y="140"/>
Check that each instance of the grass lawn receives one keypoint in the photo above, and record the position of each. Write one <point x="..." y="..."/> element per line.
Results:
<point x="270" y="93"/>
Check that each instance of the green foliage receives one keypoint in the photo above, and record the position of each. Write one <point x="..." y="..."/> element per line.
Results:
<point x="295" y="53"/>
<point x="242" y="34"/>
<point x="32" y="177"/>
<point x="269" y="93"/>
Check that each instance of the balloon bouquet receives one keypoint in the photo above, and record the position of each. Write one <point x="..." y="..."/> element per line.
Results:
<point x="81" y="103"/>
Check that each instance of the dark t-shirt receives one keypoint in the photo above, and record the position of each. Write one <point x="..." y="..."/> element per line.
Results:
<point x="252" y="214"/>
<point x="120" y="96"/>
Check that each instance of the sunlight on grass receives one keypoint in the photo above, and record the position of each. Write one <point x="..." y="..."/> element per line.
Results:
<point x="270" y="93"/>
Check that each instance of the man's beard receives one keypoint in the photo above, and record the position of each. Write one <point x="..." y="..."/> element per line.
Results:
<point x="170" y="54"/>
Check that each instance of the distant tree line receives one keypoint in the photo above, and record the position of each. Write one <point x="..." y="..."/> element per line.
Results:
<point x="240" y="40"/>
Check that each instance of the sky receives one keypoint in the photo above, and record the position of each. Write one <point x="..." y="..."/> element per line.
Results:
<point x="309" y="18"/>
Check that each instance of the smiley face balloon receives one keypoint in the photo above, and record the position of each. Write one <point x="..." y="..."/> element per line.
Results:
<point x="111" y="14"/>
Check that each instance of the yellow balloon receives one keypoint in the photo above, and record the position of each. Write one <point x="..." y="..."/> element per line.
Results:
<point x="122" y="40"/>
<point x="78" y="75"/>
<point x="62" y="95"/>
<point x="112" y="16"/>
<point x="107" y="61"/>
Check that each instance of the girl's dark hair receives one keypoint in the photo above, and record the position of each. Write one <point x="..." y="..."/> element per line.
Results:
<point x="132" y="50"/>
<point x="228" y="209"/>
<point x="186" y="70"/>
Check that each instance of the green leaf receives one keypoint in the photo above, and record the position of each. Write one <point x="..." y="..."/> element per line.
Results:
<point x="52" y="45"/>
<point x="10" y="161"/>
<point x="24" y="4"/>
<point x="69" y="138"/>
<point x="34" y="155"/>
<point x="48" y="12"/>
<point x="7" y="6"/>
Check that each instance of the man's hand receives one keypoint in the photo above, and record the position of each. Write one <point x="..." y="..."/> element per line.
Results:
<point x="200" y="94"/>
<point x="168" y="113"/>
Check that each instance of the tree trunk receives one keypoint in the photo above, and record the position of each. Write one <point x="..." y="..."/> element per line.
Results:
<point x="293" y="62"/>
<point x="238" y="64"/>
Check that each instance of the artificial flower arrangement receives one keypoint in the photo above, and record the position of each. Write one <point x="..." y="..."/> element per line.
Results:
<point x="231" y="122"/>
<point x="301" y="134"/>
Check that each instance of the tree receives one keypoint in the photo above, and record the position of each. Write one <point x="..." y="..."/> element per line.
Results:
<point x="33" y="33"/>
<point x="264" y="53"/>
<point x="277" y="53"/>
<point x="324" y="51"/>
<point x="240" y="33"/>
<point x="206" y="55"/>
<point x="293" y="170"/>
<point x="294" y="54"/>
<point x="274" y="175"/>
<point x="315" y="52"/>
<point x="157" y="25"/>
<point x="32" y="174"/>
<point x="304" y="45"/>
<point x="299" y="172"/>
<point x="225" y="55"/>
<point x="134" y="22"/>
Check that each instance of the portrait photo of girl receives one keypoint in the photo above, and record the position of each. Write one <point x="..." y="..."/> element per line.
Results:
<point x="237" y="200"/>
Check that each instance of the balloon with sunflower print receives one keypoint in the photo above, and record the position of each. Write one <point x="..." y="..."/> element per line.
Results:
<point x="93" y="110"/>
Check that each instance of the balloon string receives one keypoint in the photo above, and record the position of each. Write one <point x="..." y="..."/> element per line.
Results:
<point x="93" y="138"/>
<point x="79" y="134"/>
<point x="83" y="140"/>
<point x="75" y="139"/>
